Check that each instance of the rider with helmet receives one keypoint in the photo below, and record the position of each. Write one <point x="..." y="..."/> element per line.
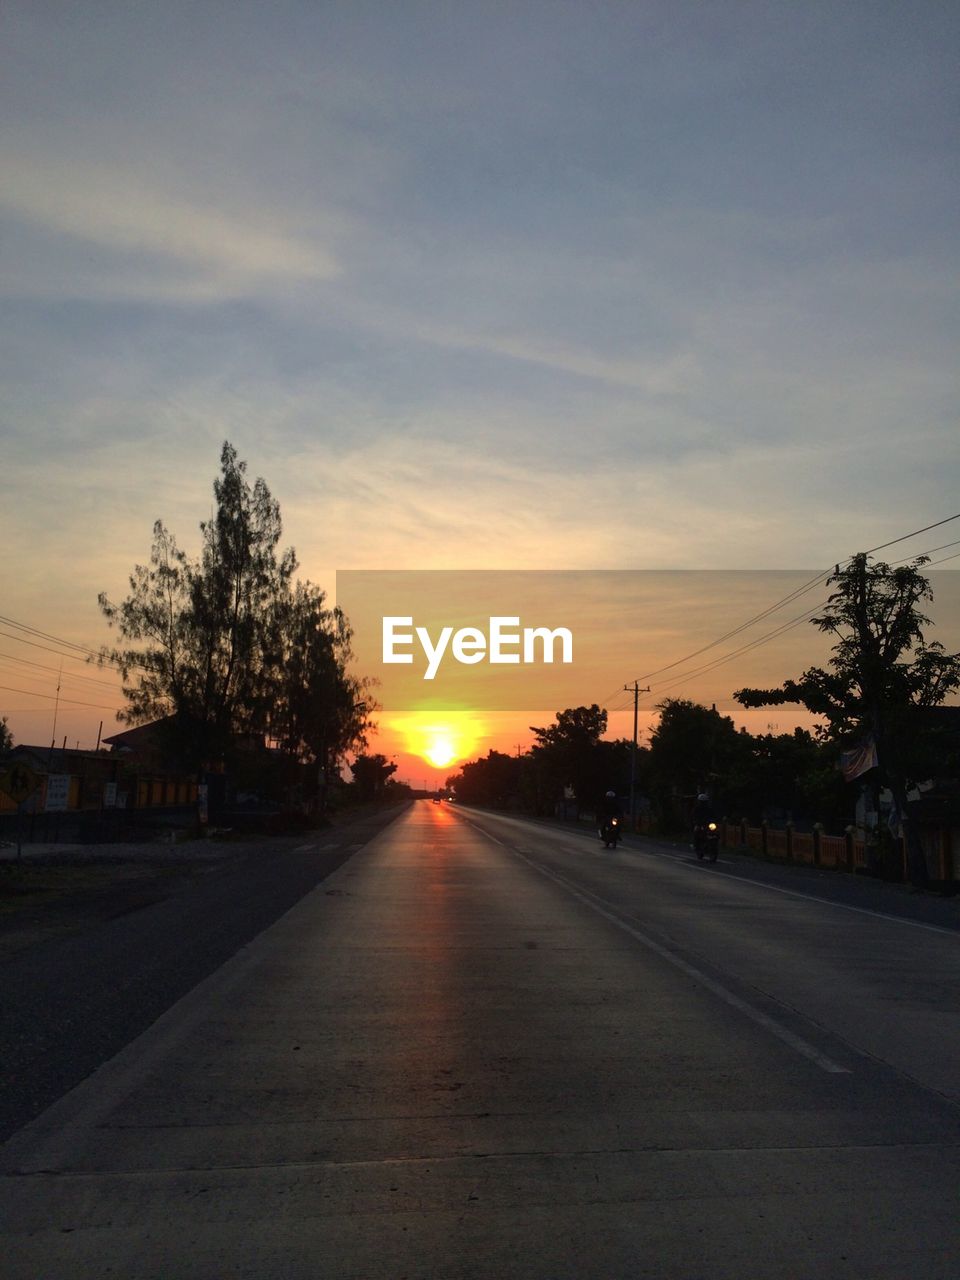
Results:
<point x="609" y="815"/>
<point x="706" y="836"/>
<point x="703" y="811"/>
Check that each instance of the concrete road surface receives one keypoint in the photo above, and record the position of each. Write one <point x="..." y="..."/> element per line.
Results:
<point x="486" y="1048"/>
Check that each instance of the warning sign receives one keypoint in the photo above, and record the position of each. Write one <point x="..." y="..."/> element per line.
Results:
<point x="19" y="782"/>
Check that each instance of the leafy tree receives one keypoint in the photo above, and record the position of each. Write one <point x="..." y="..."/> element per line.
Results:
<point x="694" y="748"/>
<point x="567" y="754"/>
<point x="237" y="596"/>
<point x="319" y="710"/>
<point x="227" y="645"/>
<point x="882" y="679"/>
<point x="492" y="780"/>
<point x="6" y="737"/>
<point x="788" y="771"/>
<point x="370" y="775"/>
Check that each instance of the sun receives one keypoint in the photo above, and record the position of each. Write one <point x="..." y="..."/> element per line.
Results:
<point x="440" y="739"/>
<point x="440" y="750"/>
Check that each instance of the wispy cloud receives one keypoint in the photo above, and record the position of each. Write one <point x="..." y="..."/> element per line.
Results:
<point x="161" y="243"/>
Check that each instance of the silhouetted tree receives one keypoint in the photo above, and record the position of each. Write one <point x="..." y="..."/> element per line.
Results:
<point x="693" y="748"/>
<point x="882" y="679"/>
<point x="370" y="774"/>
<point x="493" y="780"/>
<point x="567" y="756"/>
<point x="226" y="645"/>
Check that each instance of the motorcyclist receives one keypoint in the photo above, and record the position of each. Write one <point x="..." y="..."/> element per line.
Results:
<point x="609" y="810"/>
<point x="703" y="816"/>
<point x="703" y="811"/>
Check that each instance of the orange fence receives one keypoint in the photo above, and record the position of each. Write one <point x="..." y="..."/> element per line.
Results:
<point x="815" y="848"/>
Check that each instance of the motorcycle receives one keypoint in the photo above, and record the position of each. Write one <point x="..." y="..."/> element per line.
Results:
<point x="706" y="841"/>
<point x="610" y="833"/>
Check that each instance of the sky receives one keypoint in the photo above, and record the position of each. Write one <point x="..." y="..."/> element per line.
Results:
<point x="517" y="285"/>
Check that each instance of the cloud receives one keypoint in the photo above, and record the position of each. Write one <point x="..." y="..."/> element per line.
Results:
<point x="158" y="241"/>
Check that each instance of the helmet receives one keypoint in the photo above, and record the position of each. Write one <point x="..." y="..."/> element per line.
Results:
<point x="611" y="795"/>
<point x="703" y="796"/>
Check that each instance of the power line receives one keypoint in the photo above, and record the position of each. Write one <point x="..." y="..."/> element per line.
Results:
<point x="42" y="666"/>
<point x="45" y="635"/>
<point x="52" y="698"/>
<point x="925" y="529"/>
<point x="772" y="635"/>
<point x="794" y="595"/>
<point x="788" y="599"/>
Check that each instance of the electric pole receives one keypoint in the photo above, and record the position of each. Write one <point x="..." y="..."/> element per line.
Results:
<point x="636" y="691"/>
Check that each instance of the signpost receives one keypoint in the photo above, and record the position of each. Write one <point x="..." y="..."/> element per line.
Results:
<point x="19" y="782"/>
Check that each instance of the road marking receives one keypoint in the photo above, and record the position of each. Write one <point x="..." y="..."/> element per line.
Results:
<point x="476" y="826"/>
<point x="843" y="906"/>
<point x="301" y="847"/>
<point x="795" y="1042"/>
<point x="683" y="859"/>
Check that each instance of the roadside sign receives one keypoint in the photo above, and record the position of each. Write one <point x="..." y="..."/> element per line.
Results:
<point x="58" y="792"/>
<point x="19" y="782"/>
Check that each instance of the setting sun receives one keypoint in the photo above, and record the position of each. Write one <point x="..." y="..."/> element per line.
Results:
<point x="440" y="750"/>
<point x="441" y="740"/>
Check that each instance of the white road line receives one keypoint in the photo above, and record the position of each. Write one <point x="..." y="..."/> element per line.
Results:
<point x="300" y="847"/>
<point x="795" y="1042"/>
<point x="843" y="906"/>
<point x="683" y="859"/>
<point x="476" y="826"/>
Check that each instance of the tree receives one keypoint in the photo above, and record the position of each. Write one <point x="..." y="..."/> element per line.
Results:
<point x="227" y="646"/>
<point x="6" y="737"/>
<point x="567" y="754"/>
<point x="492" y="780"/>
<point x="693" y="748"/>
<point x="319" y="710"/>
<point x="881" y="681"/>
<point x="370" y="774"/>
<point x="237" y="597"/>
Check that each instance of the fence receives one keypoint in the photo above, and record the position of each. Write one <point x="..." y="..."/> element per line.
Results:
<point x="843" y="853"/>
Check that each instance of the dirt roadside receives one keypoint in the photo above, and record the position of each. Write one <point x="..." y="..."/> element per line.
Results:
<point x="54" y="890"/>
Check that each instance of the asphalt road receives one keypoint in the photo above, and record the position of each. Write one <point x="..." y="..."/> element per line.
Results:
<point x="485" y="1048"/>
<point x="70" y="1003"/>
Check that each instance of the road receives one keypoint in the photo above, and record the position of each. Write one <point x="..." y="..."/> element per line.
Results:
<point x="484" y="1048"/>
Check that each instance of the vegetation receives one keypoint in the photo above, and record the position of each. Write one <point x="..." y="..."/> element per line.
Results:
<point x="228" y="648"/>
<point x="372" y="776"/>
<point x="882" y="680"/>
<point x="880" y="687"/>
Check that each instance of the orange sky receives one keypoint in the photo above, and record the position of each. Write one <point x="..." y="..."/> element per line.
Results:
<point x="660" y="628"/>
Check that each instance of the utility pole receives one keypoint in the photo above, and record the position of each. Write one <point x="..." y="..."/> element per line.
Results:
<point x="636" y="691"/>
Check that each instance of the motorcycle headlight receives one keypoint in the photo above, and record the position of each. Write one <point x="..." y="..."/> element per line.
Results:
<point x="711" y="826"/>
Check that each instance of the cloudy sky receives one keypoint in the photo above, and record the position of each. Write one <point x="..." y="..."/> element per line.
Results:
<point x="505" y="285"/>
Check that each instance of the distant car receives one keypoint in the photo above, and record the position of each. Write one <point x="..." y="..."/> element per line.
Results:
<point x="437" y="799"/>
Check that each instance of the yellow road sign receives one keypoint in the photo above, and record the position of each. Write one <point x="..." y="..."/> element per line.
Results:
<point x="19" y="782"/>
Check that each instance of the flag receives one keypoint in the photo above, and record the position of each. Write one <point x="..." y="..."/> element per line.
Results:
<point x="859" y="759"/>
